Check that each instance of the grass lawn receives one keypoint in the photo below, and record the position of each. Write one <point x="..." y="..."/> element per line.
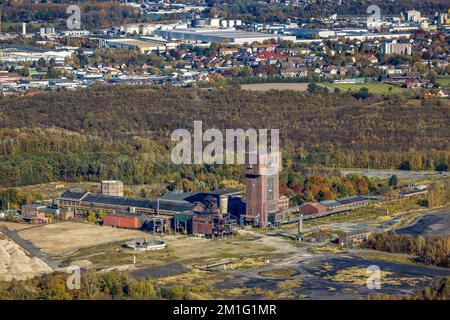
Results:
<point x="386" y="256"/>
<point x="375" y="88"/>
<point x="444" y="82"/>
<point x="17" y="26"/>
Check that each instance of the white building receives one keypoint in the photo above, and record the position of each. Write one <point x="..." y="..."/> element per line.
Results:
<point x="230" y="35"/>
<point x="21" y="53"/>
<point x="75" y="33"/>
<point x="134" y="44"/>
<point x="140" y="28"/>
<point x="412" y="16"/>
<point x="47" y="32"/>
<point x="396" y="48"/>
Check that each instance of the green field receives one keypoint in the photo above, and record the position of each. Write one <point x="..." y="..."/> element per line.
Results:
<point x="375" y="88"/>
<point x="31" y="27"/>
<point x="444" y="82"/>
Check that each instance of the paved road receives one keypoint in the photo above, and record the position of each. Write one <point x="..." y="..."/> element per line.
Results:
<point x="29" y="247"/>
<point x="435" y="224"/>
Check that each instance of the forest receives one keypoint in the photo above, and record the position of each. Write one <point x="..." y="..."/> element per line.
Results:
<point x="94" y="286"/>
<point x="95" y="14"/>
<point x="433" y="250"/>
<point x="107" y="13"/>
<point x="257" y="11"/>
<point x="438" y="289"/>
<point x="124" y="132"/>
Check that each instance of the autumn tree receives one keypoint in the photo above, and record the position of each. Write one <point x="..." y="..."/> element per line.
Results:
<point x="393" y="181"/>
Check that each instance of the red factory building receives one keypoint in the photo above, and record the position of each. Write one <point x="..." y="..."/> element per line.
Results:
<point x="310" y="208"/>
<point x="123" y="220"/>
<point x="202" y="225"/>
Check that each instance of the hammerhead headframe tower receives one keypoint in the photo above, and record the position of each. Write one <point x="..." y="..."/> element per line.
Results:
<point x="262" y="193"/>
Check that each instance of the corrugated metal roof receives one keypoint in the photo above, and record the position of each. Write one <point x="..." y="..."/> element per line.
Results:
<point x="177" y="195"/>
<point x="330" y="203"/>
<point x="164" y="205"/>
<point x="73" y="194"/>
<point x="352" y="199"/>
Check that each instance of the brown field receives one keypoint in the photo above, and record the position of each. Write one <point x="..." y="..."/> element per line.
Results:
<point x="14" y="226"/>
<point x="53" y="190"/>
<point x="180" y="249"/>
<point x="67" y="236"/>
<point x="275" y="86"/>
<point x="199" y="251"/>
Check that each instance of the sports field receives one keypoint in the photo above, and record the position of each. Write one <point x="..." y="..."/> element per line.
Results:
<point x="375" y="88"/>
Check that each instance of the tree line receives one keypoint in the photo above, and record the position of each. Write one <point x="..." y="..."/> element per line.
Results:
<point x="257" y="11"/>
<point x="124" y="132"/>
<point x="33" y="156"/>
<point x="112" y="285"/>
<point x="433" y="250"/>
<point x="94" y="14"/>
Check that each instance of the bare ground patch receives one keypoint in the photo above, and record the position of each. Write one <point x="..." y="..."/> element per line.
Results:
<point x="63" y="237"/>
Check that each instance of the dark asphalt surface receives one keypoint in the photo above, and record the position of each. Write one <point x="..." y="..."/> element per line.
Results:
<point x="314" y="284"/>
<point x="167" y="270"/>
<point x="429" y="225"/>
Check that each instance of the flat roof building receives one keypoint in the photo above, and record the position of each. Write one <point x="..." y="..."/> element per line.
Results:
<point x="134" y="44"/>
<point x="219" y="35"/>
<point x="397" y="48"/>
<point x="412" y="15"/>
<point x="16" y="53"/>
<point x="354" y="238"/>
<point x="85" y="201"/>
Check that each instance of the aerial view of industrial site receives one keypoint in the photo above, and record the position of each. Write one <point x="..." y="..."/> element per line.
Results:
<point x="224" y="150"/>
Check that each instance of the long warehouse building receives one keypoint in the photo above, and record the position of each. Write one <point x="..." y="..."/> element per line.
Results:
<point x="219" y="35"/>
<point x="81" y="200"/>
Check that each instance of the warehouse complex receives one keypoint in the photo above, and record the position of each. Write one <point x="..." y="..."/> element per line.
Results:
<point x="204" y="214"/>
<point x="219" y="35"/>
<point x="141" y="45"/>
<point x="209" y="214"/>
<point x="15" y="53"/>
<point x="199" y="213"/>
